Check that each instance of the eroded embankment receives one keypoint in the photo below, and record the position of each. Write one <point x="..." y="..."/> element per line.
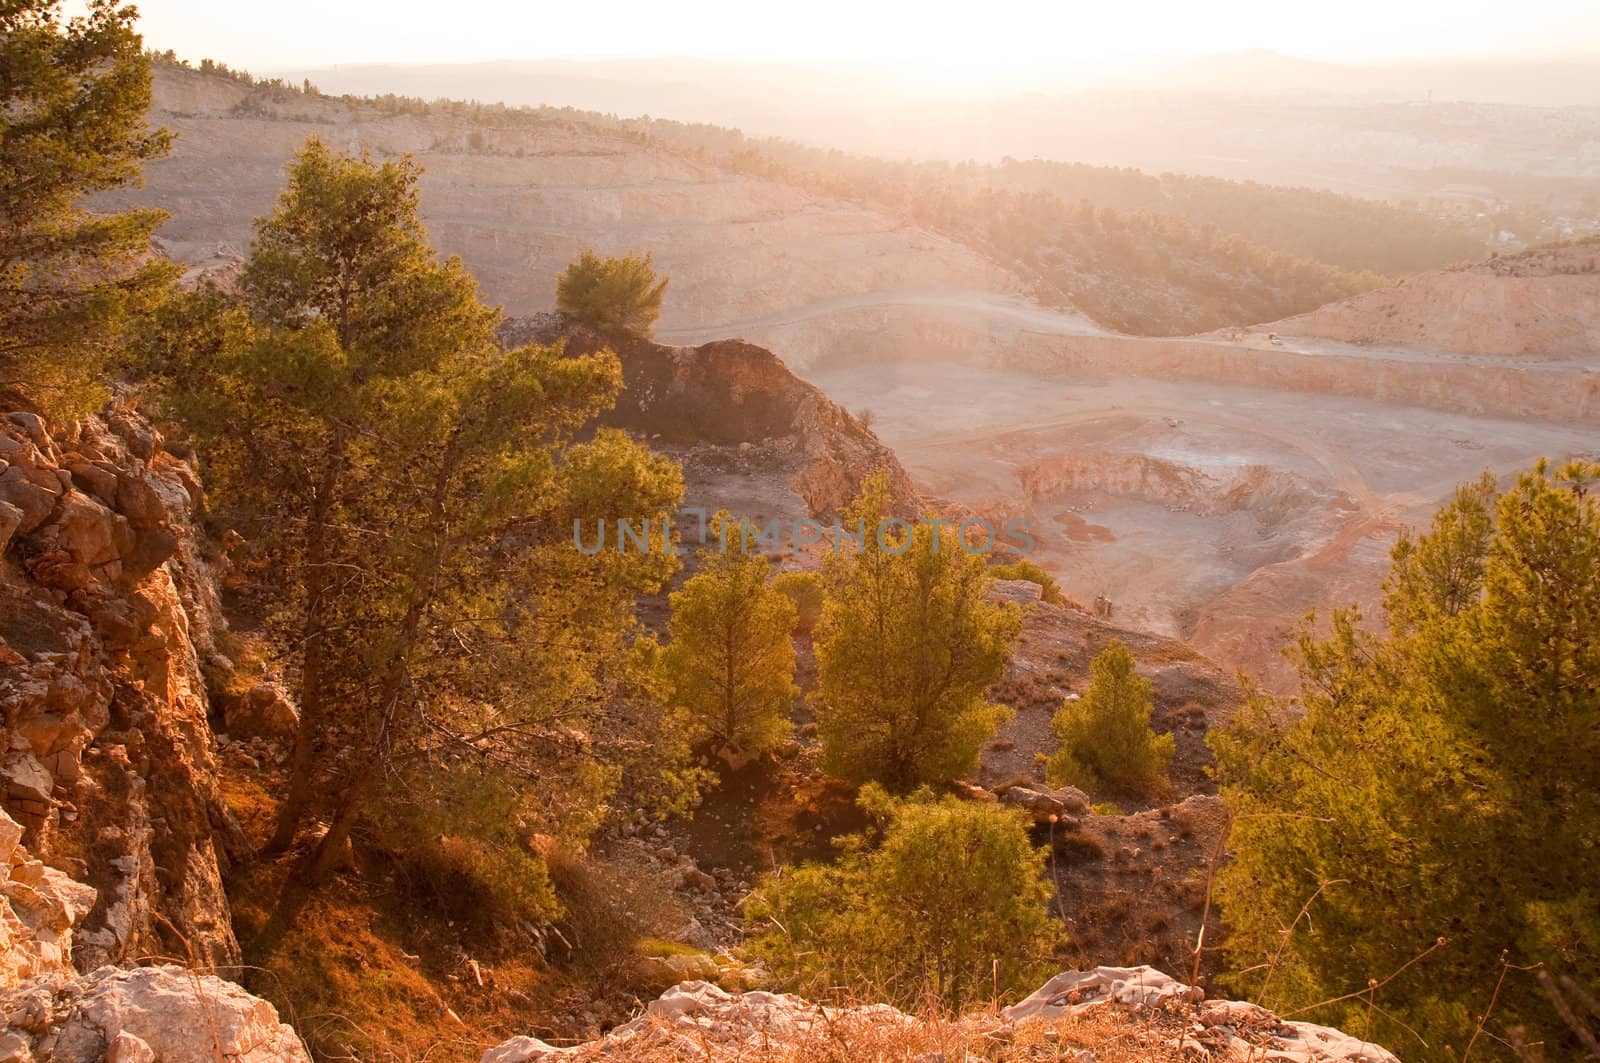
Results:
<point x="999" y="336"/>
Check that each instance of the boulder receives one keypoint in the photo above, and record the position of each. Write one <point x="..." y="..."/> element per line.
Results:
<point x="265" y="711"/>
<point x="1065" y="806"/>
<point x="1021" y="591"/>
<point x="10" y="520"/>
<point x="162" y="1014"/>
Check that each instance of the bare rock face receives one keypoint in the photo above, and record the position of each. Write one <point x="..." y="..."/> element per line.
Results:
<point x="38" y="907"/>
<point x="107" y="607"/>
<point x="698" y="1020"/>
<point x="734" y="394"/>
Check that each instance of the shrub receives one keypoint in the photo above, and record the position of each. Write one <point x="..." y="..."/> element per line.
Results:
<point x="1031" y="571"/>
<point x="619" y="298"/>
<point x="949" y="904"/>
<point x="1106" y="739"/>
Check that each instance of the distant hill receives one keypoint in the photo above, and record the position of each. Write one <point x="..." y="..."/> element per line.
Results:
<point x="1255" y="115"/>
<point x="1541" y="303"/>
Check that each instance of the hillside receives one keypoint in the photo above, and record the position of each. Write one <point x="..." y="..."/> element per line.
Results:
<point x="1137" y="253"/>
<point x="1543" y="303"/>
<point x="518" y="201"/>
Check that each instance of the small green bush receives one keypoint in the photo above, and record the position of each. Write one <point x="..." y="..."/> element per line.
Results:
<point x="950" y="903"/>
<point x="1106" y="738"/>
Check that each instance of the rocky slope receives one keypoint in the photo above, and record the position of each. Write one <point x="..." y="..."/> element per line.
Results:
<point x="518" y="200"/>
<point x="113" y="831"/>
<point x="107" y="615"/>
<point x="1538" y="304"/>
<point x="1106" y="1015"/>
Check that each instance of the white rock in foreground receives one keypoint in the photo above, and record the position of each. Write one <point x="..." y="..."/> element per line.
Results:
<point x="699" y="1020"/>
<point x="48" y="1011"/>
<point x="1241" y="1026"/>
<point x="146" y="1013"/>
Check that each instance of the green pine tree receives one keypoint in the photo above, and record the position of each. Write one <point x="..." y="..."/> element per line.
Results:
<point x="620" y="298"/>
<point x="73" y="97"/>
<point x="731" y="661"/>
<point x="1429" y="811"/>
<point x="1106" y="738"/>
<point x="907" y="645"/>
<point x="413" y="488"/>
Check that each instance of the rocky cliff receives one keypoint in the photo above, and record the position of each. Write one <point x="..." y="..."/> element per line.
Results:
<point x="107" y="611"/>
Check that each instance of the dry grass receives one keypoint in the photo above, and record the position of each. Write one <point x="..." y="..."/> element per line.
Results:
<point x="1112" y="1034"/>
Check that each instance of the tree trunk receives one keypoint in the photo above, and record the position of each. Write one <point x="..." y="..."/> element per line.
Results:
<point x="314" y="658"/>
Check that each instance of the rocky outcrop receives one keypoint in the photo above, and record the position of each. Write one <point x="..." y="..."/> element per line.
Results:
<point x="697" y="1020"/>
<point x="107" y="609"/>
<point x="733" y="394"/>
<point x="143" y="1015"/>
<point x="1231" y="1029"/>
<point x="39" y="905"/>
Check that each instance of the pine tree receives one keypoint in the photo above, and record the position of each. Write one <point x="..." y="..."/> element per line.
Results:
<point x="1106" y="738"/>
<point x="413" y="489"/>
<point x="619" y="298"/>
<point x="943" y="897"/>
<point x="907" y="645"/>
<point x="1434" y="810"/>
<point x="73" y="97"/>
<point x="731" y="660"/>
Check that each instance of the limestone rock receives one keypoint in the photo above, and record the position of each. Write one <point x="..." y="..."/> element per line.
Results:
<point x="39" y="906"/>
<point x="1021" y="591"/>
<point x="1073" y="992"/>
<point x="108" y="603"/>
<point x="700" y="1021"/>
<point x="1066" y="805"/>
<point x="151" y="1014"/>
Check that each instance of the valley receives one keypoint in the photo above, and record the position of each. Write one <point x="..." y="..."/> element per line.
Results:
<point x="373" y="686"/>
<point x="1216" y="488"/>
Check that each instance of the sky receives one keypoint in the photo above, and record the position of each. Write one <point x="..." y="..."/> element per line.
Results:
<point x="927" y="37"/>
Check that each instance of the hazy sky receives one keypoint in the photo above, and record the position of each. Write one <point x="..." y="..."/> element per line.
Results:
<point x="978" y="37"/>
